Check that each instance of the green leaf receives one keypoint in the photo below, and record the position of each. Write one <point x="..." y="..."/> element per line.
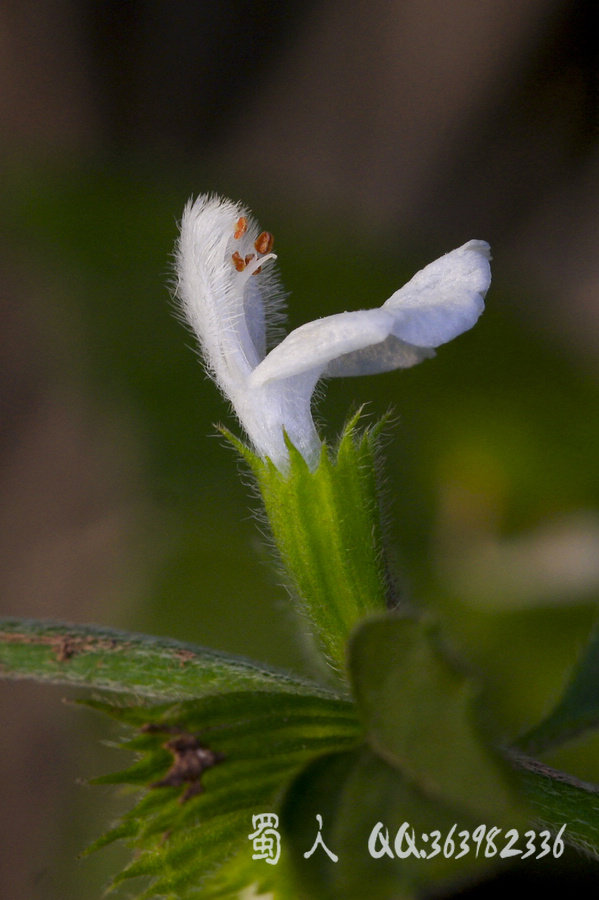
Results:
<point x="418" y="708"/>
<point x="88" y="656"/>
<point x="557" y="798"/>
<point x="326" y="526"/>
<point x="576" y="711"/>
<point x="187" y="825"/>
<point x="242" y="878"/>
<point x="353" y="792"/>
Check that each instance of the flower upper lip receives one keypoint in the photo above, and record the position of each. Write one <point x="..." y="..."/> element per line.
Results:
<point x="230" y="295"/>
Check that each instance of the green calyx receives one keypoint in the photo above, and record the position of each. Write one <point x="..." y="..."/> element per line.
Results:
<point x="326" y="526"/>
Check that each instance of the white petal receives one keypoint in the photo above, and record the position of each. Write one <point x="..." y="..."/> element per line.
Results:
<point x="225" y="307"/>
<point x="443" y="299"/>
<point x="314" y="345"/>
<point x="384" y="357"/>
<point x="268" y="411"/>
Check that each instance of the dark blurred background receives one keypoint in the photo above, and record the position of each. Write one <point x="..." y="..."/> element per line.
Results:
<point x="370" y="138"/>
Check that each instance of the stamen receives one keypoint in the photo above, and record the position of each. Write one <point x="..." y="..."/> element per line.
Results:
<point x="248" y="260"/>
<point x="264" y="242"/>
<point x="254" y="267"/>
<point x="240" y="227"/>
<point x="238" y="262"/>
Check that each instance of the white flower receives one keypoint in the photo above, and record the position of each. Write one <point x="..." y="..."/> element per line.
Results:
<point x="230" y="295"/>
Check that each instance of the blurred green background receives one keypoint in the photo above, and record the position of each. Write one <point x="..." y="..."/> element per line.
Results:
<point x="369" y="141"/>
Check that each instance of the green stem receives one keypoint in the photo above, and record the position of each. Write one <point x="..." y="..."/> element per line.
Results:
<point x="88" y="656"/>
<point x="557" y="798"/>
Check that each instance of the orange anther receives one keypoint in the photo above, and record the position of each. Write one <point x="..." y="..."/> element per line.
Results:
<point x="238" y="262"/>
<point x="264" y="242"/>
<point x="240" y="227"/>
